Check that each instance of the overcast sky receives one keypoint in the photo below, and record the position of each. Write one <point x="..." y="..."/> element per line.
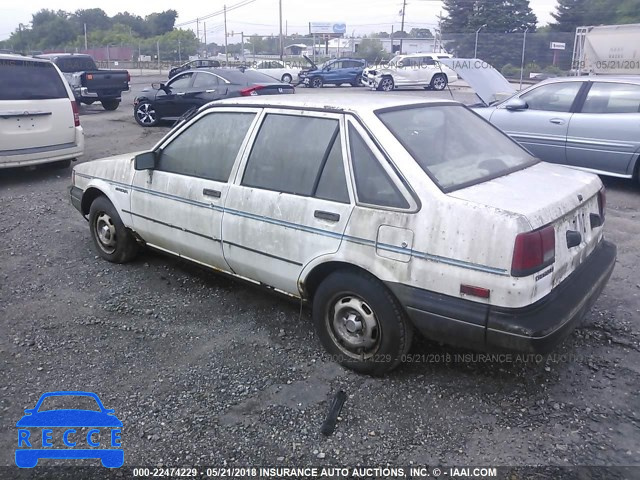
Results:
<point x="361" y="16"/>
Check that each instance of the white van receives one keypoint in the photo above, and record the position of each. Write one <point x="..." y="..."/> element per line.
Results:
<point x="39" y="120"/>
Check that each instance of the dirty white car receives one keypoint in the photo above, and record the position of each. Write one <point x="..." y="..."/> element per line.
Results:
<point x="390" y="215"/>
<point x="278" y="70"/>
<point x="39" y="119"/>
<point x="416" y="70"/>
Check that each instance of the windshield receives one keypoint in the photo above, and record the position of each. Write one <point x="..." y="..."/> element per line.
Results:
<point x="69" y="402"/>
<point x="75" y="64"/>
<point x="453" y="145"/>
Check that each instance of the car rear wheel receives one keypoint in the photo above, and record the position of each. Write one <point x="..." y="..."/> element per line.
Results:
<point x="386" y="84"/>
<point x="316" y="82"/>
<point x="145" y="114"/>
<point x="113" y="241"/>
<point x="110" y="105"/>
<point x="439" y="81"/>
<point x="360" y="323"/>
<point x="286" y="78"/>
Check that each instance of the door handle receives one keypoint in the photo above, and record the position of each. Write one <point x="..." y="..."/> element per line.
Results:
<point x="557" y="121"/>
<point x="212" y="193"/>
<point x="332" y="217"/>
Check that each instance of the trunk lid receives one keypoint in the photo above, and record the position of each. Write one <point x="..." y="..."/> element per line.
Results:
<point x="547" y="194"/>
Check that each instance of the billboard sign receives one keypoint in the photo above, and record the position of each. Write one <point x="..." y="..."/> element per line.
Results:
<point x="327" y="28"/>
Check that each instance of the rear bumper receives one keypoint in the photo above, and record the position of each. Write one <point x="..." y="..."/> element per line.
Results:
<point x="537" y="328"/>
<point x="35" y="156"/>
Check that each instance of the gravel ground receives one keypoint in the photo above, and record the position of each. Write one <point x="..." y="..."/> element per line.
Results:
<point x="204" y="370"/>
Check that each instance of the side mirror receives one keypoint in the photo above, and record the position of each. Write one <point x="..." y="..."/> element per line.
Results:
<point x="516" y="104"/>
<point x="145" y="161"/>
<point x="158" y="86"/>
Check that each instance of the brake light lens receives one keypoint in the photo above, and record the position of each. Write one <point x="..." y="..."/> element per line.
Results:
<point x="128" y="77"/>
<point x="533" y="251"/>
<point x="251" y="92"/>
<point x="76" y="113"/>
<point x="89" y="76"/>
<point x="602" y="202"/>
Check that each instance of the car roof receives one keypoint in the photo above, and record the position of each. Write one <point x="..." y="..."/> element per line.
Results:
<point x="332" y="102"/>
<point x="635" y="79"/>
<point x="10" y="56"/>
<point x="62" y="54"/>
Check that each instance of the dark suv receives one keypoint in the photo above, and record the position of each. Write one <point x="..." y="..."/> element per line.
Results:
<point x="334" y="72"/>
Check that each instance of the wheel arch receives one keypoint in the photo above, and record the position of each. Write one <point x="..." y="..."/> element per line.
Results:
<point x="310" y="281"/>
<point x="89" y="196"/>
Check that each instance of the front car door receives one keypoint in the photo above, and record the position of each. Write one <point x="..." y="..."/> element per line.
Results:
<point x="291" y="202"/>
<point x="542" y="127"/>
<point x="169" y="102"/>
<point x="177" y="206"/>
<point x="605" y="134"/>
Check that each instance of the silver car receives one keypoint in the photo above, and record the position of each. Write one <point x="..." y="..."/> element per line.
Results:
<point x="591" y="123"/>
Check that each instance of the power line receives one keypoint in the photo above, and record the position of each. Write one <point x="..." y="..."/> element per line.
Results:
<point x="218" y="13"/>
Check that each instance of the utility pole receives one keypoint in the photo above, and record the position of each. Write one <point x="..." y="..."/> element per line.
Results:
<point x="242" y="41"/>
<point x="206" y="50"/>
<point x="226" y="36"/>
<point x="179" y="52"/>
<point x="86" y="47"/>
<point x="281" y="40"/>
<point x="198" y="29"/>
<point x="158" y="54"/>
<point x="404" y="8"/>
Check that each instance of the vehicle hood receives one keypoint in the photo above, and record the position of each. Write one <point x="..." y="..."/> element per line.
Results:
<point x="542" y="193"/>
<point x="312" y="63"/>
<point x="487" y="82"/>
<point x="69" y="418"/>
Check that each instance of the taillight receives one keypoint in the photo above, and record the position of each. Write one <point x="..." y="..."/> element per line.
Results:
<point x="252" y="91"/>
<point x="602" y="202"/>
<point x="76" y="113"/>
<point x="533" y="251"/>
<point x="128" y="77"/>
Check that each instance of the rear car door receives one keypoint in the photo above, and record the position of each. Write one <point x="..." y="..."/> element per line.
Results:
<point x="291" y="202"/>
<point x="205" y="89"/>
<point x="178" y="205"/>
<point x="36" y="112"/>
<point x="542" y="127"/>
<point x="605" y="134"/>
<point x="171" y="102"/>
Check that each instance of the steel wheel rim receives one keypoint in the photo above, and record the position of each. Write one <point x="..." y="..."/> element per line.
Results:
<point x="146" y="114"/>
<point x="287" y="79"/>
<point x="105" y="231"/>
<point x="317" y="83"/>
<point x="353" y="326"/>
<point x="439" y="83"/>
<point x="387" y="84"/>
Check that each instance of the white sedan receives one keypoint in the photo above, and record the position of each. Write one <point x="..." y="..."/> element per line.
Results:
<point x="387" y="215"/>
<point x="278" y="70"/>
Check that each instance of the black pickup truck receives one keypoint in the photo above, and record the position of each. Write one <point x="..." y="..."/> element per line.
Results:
<point x="89" y="84"/>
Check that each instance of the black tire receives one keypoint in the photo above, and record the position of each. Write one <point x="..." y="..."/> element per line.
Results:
<point x="62" y="164"/>
<point x="145" y="114"/>
<point x="348" y="301"/>
<point x="439" y="81"/>
<point x="110" y="105"/>
<point x="386" y="84"/>
<point x="88" y="102"/>
<point x="357" y="82"/>
<point x="113" y="241"/>
<point x="316" y="82"/>
<point x="286" y="78"/>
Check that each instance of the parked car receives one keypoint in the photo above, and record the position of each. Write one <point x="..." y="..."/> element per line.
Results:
<point x="278" y="70"/>
<point x="190" y="90"/>
<point x="416" y="70"/>
<point x="384" y="215"/>
<point x="194" y="64"/>
<point x="89" y="84"/>
<point x="590" y="123"/>
<point x="39" y="120"/>
<point x="333" y="72"/>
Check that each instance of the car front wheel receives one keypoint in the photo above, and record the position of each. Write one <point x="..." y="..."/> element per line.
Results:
<point x="317" y="82"/>
<point x="360" y="323"/>
<point x="145" y="114"/>
<point x="439" y="81"/>
<point x="111" y="238"/>
<point x="386" y="84"/>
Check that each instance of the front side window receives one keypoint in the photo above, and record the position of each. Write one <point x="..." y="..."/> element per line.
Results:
<point x="612" y="98"/>
<point x="278" y="162"/>
<point x="373" y="185"/>
<point x="454" y="146"/>
<point x="182" y="82"/>
<point x="208" y="148"/>
<point x="554" y="97"/>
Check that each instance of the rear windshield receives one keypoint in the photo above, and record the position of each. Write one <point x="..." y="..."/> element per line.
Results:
<point x="248" y="77"/>
<point x="75" y="64"/>
<point x="25" y="80"/>
<point x="454" y="146"/>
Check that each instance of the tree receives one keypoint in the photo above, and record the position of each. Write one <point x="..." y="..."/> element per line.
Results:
<point x="163" y="22"/>
<point x="94" y="18"/>
<point x="136" y="23"/>
<point x="571" y="14"/>
<point x="420" y="33"/>
<point x="372" y="50"/>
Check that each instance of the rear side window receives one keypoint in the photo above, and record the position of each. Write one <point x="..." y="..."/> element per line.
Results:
<point x="208" y="148"/>
<point x="372" y="182"/>
<point x="283" y="163"/>
<point x="25" y="80"/>
<point x="612" y="98"/>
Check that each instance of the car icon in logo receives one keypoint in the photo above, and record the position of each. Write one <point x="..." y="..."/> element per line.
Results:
<point x="56" y="433"/>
